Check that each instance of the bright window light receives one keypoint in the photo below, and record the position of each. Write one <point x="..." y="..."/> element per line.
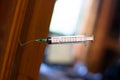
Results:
<point x="65" y="16"/>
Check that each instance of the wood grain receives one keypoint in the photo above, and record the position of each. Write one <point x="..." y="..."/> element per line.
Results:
<point x="23" y="20"/>
<point x="36" y="25"/>
<point x="14" y="25"/>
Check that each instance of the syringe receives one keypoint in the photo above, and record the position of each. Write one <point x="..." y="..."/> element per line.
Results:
<point x="67" y="39"/>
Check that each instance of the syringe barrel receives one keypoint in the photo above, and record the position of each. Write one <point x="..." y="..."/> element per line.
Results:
<point x="69" y="39"/>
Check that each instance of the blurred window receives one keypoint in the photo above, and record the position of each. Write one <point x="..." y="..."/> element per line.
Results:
<point x="66" y="16"/>
<point x="70" y="18"/>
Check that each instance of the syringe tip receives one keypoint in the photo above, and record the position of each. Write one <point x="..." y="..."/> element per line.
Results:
<point x="41" y="40"/>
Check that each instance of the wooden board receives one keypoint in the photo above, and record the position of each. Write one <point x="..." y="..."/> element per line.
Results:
<point x="27" y="20"/>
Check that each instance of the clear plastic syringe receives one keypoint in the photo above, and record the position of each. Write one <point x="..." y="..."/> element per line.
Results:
<point x="67" y="39"/>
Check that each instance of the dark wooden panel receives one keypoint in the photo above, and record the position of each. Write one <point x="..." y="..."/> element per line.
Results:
<point x="12" y="14"/>
<point x="36" y="25"/>
<point x="23" y="20"/>
<point x="6" y="14"/>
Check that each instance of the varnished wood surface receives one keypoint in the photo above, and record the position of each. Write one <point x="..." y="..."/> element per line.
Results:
<point x="12" y="15"/>
<point x="23" y="20"/>
<point x="36" y="25"/>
